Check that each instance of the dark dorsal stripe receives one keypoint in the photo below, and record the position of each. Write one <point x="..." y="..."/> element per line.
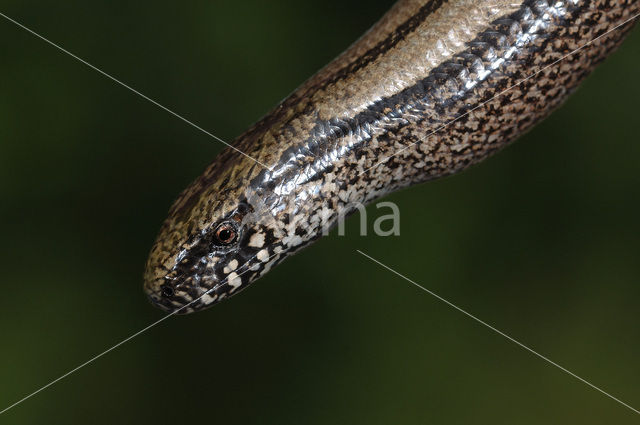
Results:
<point x="387" y="44"/>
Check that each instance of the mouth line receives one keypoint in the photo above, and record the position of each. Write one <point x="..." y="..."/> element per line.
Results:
<point x="193" y="304"/>
<point x="189" y="298"/>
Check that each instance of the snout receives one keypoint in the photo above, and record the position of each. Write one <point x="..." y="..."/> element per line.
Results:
<point x="183" y="296"/>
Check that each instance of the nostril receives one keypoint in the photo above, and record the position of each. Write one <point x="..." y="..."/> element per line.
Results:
<point x="167" y="291"/>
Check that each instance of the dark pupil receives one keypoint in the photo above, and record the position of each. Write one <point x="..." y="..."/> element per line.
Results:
<point x="225" y="235"/>
<point x="167" y="291"/>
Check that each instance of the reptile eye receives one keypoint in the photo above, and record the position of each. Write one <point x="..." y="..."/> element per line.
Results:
<point x="226" y="233"/>
<point x="168" y="291"/>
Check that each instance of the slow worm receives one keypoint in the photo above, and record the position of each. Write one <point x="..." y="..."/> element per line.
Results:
<point x="420" y="96"/>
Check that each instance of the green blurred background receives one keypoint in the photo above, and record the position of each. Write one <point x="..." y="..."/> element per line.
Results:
<point x="540" y="241"/>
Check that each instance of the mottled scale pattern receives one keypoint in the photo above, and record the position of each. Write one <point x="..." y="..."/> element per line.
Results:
<point x="434" y="87"/>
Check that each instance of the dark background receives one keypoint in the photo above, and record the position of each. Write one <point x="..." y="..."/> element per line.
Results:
<point x="540" y="241"/>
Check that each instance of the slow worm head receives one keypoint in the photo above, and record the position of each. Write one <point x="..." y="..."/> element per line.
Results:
<point x="434" y="87"/>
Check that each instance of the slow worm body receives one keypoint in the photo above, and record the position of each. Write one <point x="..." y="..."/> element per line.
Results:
<point x="420" y="96"/>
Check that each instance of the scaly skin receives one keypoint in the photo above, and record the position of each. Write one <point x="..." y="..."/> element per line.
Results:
<point x="417" y="98"/>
